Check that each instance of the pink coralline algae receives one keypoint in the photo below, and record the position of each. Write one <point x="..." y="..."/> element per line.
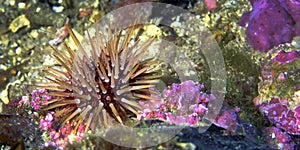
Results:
<point x="36" y="99"/>
<point x="62" y="34"/>
<point x="59" y="134"/>
<point x="182" y="103"/>
<point x="279" y="91"/>
<point x="210" y="4"/>
<point x="285" y="57"/>
<point x="64" y="135"/>
<point x="187" y="104"/>
<point x="283" y="117"/>
<point x="46" y="123"/>
<point x="278" y="139"/>
<point x="272" y="22"/>
<point x="227" y="119"/>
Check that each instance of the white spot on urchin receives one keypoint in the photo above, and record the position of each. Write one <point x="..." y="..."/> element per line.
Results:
<point x="123" y="81"/>
<point x="78" y="110"/>
<point x="123" y="100"/>
<point x="104" y="92"/>
<point x="77" y="101"/>
<point x="89" y="107"/>
<point x="89" y="97"/>
<point x="108" y="98"/>
<point x="101" y="104"/>
<point x="118" y="92"/>
<point x="80" y="92"/>
<point x="116" y="76"/>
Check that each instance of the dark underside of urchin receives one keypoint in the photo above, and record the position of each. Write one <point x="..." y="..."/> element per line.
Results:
<point x="103" y="85"/>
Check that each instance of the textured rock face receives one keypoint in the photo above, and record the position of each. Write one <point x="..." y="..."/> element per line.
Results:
<point x="293" y="8"/>
<point x="283" y="117"/>
<point x="279" y="89"/>
<point x="181" y="103"/>
<point x="278" y="139"/>
<point x="272" y="22"/>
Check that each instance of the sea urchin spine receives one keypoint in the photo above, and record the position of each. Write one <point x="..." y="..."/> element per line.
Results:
<point x="104" y="85"/>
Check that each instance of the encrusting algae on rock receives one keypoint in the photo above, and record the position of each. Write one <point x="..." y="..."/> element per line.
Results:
<point x="279" y="89"/>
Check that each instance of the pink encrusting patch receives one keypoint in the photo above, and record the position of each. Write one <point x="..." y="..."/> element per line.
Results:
<point x="286" y="57"/>
<point x="278" y="139"/>
<point x="281" y="116"/>
<point x="210" y="4"/>
<point x="181" y="103"/>
<point x="279" y="89"/>
<point x="297" y="112"/>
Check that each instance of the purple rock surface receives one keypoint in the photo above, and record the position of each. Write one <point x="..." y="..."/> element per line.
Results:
<point x="271" y="22"/>
<point x="285" y="57"/>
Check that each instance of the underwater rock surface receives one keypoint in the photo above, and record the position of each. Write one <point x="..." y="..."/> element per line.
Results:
<point x="279" y="97"/>
<point x="214" y="139"/>
<point x="23" y="53"/>
<point x="272" y="22"/>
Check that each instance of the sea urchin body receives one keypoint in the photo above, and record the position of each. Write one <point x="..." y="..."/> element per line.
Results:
<point x="102" y="86"/>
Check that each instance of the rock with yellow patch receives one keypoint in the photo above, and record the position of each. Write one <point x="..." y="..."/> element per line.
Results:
<point x="18" y="23"/>
<point x="279" y="89"/>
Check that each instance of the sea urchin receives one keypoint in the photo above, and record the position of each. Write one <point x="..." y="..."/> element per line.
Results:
<point x="101" y="86"/>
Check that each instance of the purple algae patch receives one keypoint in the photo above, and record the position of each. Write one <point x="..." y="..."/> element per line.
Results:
<point x="271" y="22"/>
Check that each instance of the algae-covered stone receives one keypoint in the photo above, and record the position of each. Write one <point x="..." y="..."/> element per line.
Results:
<point x="18" y="23"/>
<point x="279" y="89"/>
